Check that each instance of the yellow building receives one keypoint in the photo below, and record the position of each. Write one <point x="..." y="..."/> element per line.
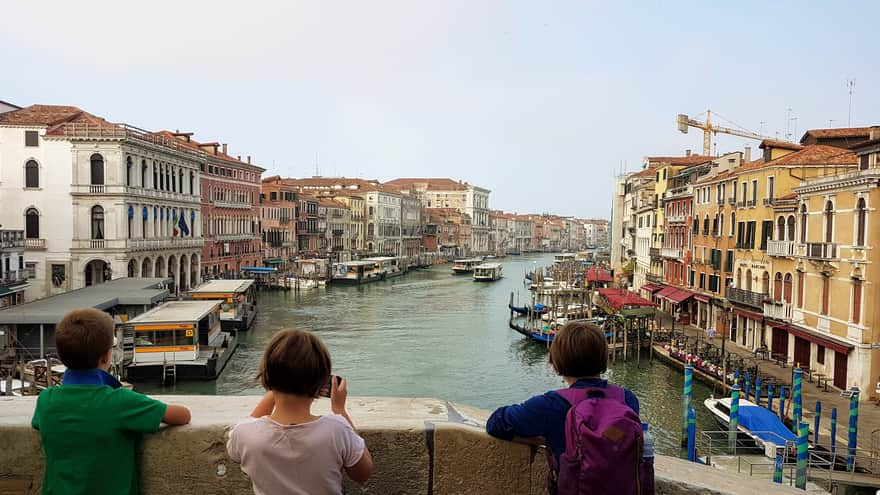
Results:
<point x="836" y="300"/>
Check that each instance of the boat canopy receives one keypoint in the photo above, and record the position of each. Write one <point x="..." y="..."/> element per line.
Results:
<point x="223" y="286"/>
<point x="258" y="269"/>
<point x="764" y="424"/>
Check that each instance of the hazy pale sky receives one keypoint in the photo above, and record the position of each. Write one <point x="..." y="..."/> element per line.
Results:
<point x="540" y="102"/>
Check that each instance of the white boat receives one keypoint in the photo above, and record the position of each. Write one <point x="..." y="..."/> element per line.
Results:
<point x="305" y="283"/>
<point x="387" y="266"/>
<point x="238" y="301"/>
<point x="355" y="272"/>
<point x="487" y="272"/>
<point x="758" y="423"/>
<point x="465" y="265"/>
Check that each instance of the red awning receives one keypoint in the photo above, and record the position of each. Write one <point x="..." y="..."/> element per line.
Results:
<point x="652" y="288"/>
<point x="667" y="291"/>
<point x="834" y="345"/>
<point x="596" y="274"/>
<point x="679" y="296"/>
<point x="623" y="299"/>
<point x="748" y="314"/>
<point x="702" y="298"/>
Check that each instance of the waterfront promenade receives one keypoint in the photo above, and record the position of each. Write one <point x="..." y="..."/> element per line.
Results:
<point x="420" y="446"/>
<point x="869" y="411"/>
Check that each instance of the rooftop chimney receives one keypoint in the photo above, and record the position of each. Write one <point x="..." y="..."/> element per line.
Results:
<point x="874" y="133"/>
<point x="224" y="148"/>
<point x="239" y="157"/>
<point x="249" y="158"/>
<point x="687" y="152"/>
<point x="748" y="155"/>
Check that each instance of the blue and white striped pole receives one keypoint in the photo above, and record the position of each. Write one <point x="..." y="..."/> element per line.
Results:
<point x="770" y="391"/>
<point x="802" y="441"/>
<point x="833" y="429"/>
<point x="692" y="434"/>
<point x="688" y="393"/>
<point x="816" y="419"/>
<point x="797" y="399"/>
<point x="782" y="403"/>
<point x="758" y="390"/>
<point x="748" y="386"/>
<point x="853" y="429"/>
<point x="734" y="417"/>
<point x="777" y="467"/>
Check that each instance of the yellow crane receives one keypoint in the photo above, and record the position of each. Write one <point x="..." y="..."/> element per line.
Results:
<point x="684" y="122"/>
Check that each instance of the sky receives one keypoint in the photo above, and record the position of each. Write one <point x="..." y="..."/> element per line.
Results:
<point x="543" y="103"/>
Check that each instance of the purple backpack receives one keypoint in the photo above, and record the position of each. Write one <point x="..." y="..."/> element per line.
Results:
<point x="603" y="446"/>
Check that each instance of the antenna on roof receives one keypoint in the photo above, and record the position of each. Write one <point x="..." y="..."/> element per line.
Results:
<point x="851" y="86"/>
<point x="316" y="165"/>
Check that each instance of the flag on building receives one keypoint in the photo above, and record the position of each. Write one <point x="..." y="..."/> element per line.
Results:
<point x="182" y="224"/>
<point x="174" y="222"/>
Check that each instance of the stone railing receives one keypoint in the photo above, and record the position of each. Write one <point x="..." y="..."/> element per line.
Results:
<point x="233" y="204"/>
<point x="778" y="310"/>
<point x="784" y="249"/>
<point x="675" y="253"/>
<point x="31" y="244"/>
<point x="418" y="446"/>
<point x="746" y="297"/>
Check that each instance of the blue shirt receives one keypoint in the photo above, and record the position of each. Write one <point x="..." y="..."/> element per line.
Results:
<point x="94" y="376"/>
<point x="544" y="416"/>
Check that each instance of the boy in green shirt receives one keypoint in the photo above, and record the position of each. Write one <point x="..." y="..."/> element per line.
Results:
<point x="90" y="426"/>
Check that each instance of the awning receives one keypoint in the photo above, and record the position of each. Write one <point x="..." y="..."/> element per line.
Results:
<point x="834" y="345"/>
<point x="273" y="262"/>
<point x="679" y="296"/>
<point x="702" y="298"/>
<point x="748" y="314"/>
<point x="666" y="292"/>
<point x="652" y="288"/>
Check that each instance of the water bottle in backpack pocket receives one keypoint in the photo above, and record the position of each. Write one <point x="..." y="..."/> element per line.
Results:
<point x="604" y="446"/>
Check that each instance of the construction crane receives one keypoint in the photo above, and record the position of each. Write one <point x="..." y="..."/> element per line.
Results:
<point x="708" y="129"/>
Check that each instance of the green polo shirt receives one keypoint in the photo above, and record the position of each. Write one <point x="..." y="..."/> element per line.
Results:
<point x="90" y="434"/>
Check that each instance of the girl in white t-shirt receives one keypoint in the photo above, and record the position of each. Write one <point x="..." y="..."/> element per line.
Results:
<point x="282" y="446"/>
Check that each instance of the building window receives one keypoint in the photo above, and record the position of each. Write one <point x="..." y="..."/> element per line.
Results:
<point x="32" y="223"/>
<point x="97" y="222"/>
<point x="780" y="229"/>
<point x="790" y="228"/>
<point x="786" y="289"/>
<point x="97" y="169"/>
<point x="128" y="171"/>
<point x="820" y="354"/>
<point x="732" y="223"/>
<point x="825" y="291"/>
<point x="860" y="222"/>
<point x="31" y="138"/>
<point x="829" y="221"/>
<point x="770" y="185"/>
<point x="863" y="162"/>
<point x="800" y="301"/>
<point x="31" y="174"/>
<point x="777" y="287"/>
<point x="803" y="224"/>
<point x="856" y="300"/>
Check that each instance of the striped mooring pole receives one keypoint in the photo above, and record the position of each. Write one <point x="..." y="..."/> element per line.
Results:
<point x="782" y="403"/>
<point x="734" y="417"/>
<point x="797" y="399"/>
<point x="852" y="441"/>
<point x="777" y="467"/>
<point x="833" y="429"/>
<point x="692" y="434"/>
<point x="758" y="390"/>
<point x="748" y="386"/>
<point x="770" y="387"/>
<point x="816" y="418"/>
<point x="688" y="395"/>
<point x="802" y="442"/>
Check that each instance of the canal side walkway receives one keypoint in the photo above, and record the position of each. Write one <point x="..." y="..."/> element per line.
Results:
<point x="869" y="411"/>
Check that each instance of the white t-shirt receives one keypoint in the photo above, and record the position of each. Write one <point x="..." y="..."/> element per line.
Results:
<point x="298" y="459"/>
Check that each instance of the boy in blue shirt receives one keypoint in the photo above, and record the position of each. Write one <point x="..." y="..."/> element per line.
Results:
<point x="90" y="426"/>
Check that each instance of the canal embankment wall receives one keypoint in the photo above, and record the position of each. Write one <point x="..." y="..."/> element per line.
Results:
<point x="420" y="446"/>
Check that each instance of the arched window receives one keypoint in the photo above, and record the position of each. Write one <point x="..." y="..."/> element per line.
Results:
<point x="786" y="288"/>
<point x="97" y="222"/>
<point x="780" y="229"/>
<point x="31" y="174"/>
<point x="155" y="176"/>
<point x="765" y="283"/>
<point x="192" y="178"/>
<point x="128" y="171"/>
<point x="748" y="286"/>
<point x="790" y="228"/>
<point x="143" y="173"/>
<point x="860" y="222"/>
<point x="829" y="221"/>
<point x="97" y="169"/>
<point x="706" y="225"/>
<point x="732" y="223"/>
<point x="32" y="223"/>
<point x="721" y="224"/>
<point x="803" y="224"/>
<point x="777" y="287"/>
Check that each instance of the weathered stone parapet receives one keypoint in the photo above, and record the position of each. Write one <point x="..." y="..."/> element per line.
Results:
<point x="420" y="446"/>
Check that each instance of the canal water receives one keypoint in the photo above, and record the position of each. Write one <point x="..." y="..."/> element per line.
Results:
<point x="430" y="333"/>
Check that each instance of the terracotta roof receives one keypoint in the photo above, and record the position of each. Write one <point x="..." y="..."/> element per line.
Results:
<point x="774" y="143"/>
<point x="648" y="172"/>
<point x="430" y="184"/>
<point x="866" y="145"/>
<point x="331" y="203"/>
<point x="40" y="115"/>
<point x="818" y="155"/>
<point x="839" y="132"/>
<point x="679" y="160"/>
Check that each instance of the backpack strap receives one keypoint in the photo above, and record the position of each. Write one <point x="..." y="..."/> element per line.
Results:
<point x="574" y="395"/>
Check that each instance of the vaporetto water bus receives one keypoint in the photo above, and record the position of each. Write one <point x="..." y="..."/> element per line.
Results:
<point x="238" y="307"/>
<point x="466" y="265"/>
<point x="355" y="272"/>
<point x="487" y="272"/>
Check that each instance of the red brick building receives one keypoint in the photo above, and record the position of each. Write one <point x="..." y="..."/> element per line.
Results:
<point x="279" y="214"/>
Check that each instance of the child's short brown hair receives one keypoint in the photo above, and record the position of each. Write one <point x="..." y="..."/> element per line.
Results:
<point x="82" y="337"/>
<point x="579" y="350"/>
<point x="295" y="362"/>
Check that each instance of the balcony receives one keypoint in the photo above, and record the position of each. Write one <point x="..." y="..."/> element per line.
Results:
<point x="118" y="190"/>
<point x="654" y="253"/>
<point x="240" y="205"/>
<point x="653" y="277"/>
<point x="751" y="203"/>
<point x="741" y="204"/>
<point x="234" y="237"/>
<point x="778" y="310"/>
<point x="675" y="218"/>
<point x="34" y="244"/>
<point x="12" y="239"/>
<point x="11" y="279"/>
<point x="746" y="297"/>
<point x="675" y="253"/>
<point x="338" y="232"/>
<point x="150" y="244"/>
<point x="731" y="201"/>
<point x="783" y="249"/>
<point x="720" y="201"/>
<point x="769" y="201"/>
<point x="821" y="251"/>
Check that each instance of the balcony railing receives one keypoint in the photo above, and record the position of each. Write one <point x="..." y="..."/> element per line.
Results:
<point x="234" y="237"/>
<point x="731" y="201"/>
<point x="32" y="244"/>
<point x="746" y="297"/>
<point x="233" y="204"/>
<point x="769" y="201"/>
<point x="675" y="253"/>
<point x="720" y="201"/>
<point x="778" y="310"/>
<point x="653" y="277"/>
<point x="654" y="253"/>
<point x="85" y="189"/>
<point x="751" y="203"/>
<point x="148" y="244"/>
<point x="675" y="218"/>
<point x="11" y="278"/>
<point x="741" y="204"/>
<point x="784" y="249"/>
<point x="821" y="251"/>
